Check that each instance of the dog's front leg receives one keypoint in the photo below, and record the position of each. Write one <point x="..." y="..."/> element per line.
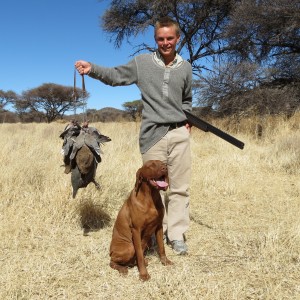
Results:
<point x="136" y="236"/>
<point x="161" y="248"/>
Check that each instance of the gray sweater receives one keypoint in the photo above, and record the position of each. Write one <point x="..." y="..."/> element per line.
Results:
<point x="166" y="92"/>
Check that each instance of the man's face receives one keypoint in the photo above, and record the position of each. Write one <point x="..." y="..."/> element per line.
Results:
<point x="166" y="39"/>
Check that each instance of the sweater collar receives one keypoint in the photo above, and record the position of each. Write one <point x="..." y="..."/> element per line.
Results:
<point x="178" y="60"/>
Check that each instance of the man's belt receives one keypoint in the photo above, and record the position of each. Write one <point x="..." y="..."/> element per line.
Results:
<point x="176" y="125"/>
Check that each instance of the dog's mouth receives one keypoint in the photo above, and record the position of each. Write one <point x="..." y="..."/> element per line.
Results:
<point x="159" y="183"/>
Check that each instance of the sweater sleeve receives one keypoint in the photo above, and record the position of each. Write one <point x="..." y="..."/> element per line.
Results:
<point x="187" y="93"/>
<point x="115" y="76"/>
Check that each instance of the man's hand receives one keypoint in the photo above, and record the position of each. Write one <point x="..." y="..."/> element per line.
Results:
<point x="83" y="67"/>
<point x="188" y="127"/>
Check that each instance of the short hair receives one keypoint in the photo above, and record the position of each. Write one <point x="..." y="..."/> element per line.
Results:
<point x="166" y="22"/>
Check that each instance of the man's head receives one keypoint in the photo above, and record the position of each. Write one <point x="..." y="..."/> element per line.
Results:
<point x="166" y="22"/>
<point x="167" y="35"/>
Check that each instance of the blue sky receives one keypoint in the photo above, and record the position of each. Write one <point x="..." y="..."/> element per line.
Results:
<point x="42" y="39"/>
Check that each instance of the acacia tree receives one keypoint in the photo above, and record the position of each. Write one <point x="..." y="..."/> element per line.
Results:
<point x="134" y="108"/>
<point x="200" y="22"/>
<point x="260" y="29"/>
<point x="6" y="98"/>
<point x="217" y="34"/>
<point x="51" y="100"/>
<point x="265" y="37"/>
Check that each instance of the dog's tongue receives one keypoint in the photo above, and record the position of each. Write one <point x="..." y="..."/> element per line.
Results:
<point x="161" y="183"/>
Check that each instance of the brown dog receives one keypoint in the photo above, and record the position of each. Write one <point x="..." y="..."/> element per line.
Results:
<point x="139" y="218"/>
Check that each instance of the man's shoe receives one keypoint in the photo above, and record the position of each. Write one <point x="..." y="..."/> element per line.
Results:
<point x="179" y="247"/>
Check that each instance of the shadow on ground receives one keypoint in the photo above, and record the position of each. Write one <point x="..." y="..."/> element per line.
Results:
<point x="92" y="217"/>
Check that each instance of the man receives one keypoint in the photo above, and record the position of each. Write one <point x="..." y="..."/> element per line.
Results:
<point x="164" y="80"/>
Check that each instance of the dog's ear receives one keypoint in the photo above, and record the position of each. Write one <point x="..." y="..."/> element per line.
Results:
<point x="138" y="180"/>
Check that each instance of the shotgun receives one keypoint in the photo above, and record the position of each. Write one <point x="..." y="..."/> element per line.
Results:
<point x="200" y="124"/>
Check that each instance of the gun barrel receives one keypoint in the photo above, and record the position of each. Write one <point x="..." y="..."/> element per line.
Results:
<point x="200" y="124"/>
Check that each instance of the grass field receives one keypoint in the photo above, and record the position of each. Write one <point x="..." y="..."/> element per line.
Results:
<point x="244" y="237"/>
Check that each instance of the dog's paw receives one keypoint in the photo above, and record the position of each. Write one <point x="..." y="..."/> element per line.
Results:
<point x="144" y="277"/>
<point x="122" y="269"/>
<point x="165" y="261"/>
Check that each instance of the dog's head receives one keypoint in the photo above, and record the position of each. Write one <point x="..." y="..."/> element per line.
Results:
<point x="155" y="173"/>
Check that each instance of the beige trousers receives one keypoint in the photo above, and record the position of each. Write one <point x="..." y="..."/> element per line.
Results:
<point x="174" y="150"/>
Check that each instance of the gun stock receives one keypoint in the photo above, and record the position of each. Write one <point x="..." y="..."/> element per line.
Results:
<point x="200" y="124"/>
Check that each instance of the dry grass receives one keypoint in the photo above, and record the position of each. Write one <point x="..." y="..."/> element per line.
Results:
<point x="244" y="237"/>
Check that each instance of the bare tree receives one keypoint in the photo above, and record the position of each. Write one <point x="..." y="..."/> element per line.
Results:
<point x="259" y="29"/>
<point x="233" y="46"/>
<point x="222" y="88"/>
<point x="286" y="68"/>
<point x="51" y="100"/>
<point x="6" y="98"/>
<point x="237" y="89"/>
<point x="253" y="29"/>
<point x="201" y="23"/>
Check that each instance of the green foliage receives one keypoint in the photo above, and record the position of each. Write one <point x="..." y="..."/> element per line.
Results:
<point x="134" y="108"/>
<point x="50" y="101"/>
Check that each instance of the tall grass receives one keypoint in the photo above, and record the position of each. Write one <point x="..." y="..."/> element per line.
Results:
<point x="244" y="238"/>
